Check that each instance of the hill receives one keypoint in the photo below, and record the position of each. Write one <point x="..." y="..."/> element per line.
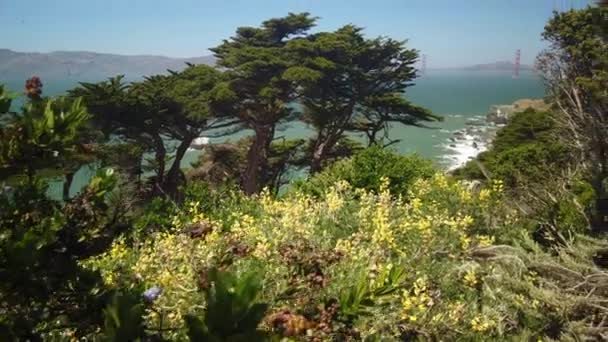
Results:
<point x="86" y="66"/>
<point x="500" y="66"/>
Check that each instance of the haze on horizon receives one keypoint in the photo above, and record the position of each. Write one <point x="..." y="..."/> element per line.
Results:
<point x="451" y="33"/>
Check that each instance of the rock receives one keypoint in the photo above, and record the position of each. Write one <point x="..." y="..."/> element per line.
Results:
<point x="499" y="114"/>
<point x="473" y="186"/>
<point x="475" y="122"/>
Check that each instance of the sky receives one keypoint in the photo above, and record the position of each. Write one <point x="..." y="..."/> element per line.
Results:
<point x="451" y="33"/>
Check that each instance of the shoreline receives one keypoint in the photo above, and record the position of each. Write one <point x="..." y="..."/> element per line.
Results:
<point x="467" y="143"/>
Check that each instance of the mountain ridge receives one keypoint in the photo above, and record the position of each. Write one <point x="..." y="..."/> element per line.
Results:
<point x="83" y="65"/>
<point x="499" y="65"/>
<point x="87" y="65"/>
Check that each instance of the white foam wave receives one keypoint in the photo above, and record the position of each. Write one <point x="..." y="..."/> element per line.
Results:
<point x="462" y="149"/>
<point x="199" y="143"/>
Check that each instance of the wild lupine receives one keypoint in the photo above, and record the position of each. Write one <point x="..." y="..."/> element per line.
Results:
<point x="33" y="87"/>
<point x="151" y="294"/>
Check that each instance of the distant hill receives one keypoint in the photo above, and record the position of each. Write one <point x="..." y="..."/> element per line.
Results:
<point x="86" y="66"/>
<point x="500" y="66"/>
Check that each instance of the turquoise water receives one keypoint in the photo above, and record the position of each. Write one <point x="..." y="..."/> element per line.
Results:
<point x="458" y="95"/>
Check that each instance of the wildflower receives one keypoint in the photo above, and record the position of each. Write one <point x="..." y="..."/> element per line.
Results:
<point x="466" y="221"/>
<point x="470" y="278"/>
<point x="485" y="240"/>
<point x="33" y="87"/>
<point x="416" y="203"/>
<point x="416" y="301"/>
<point x="464" y="194"/>
<point x="481" y="324"/>
<point x="334" y="200"/>
<point x="440" y="180"/>
<point x="384" y="184"/>
<point x="151" y="294"/>
<point x="484" y="195"/>
<point x="497" y="186"/>
<point x="455" y="311"/>
<point x="465" y="241"/>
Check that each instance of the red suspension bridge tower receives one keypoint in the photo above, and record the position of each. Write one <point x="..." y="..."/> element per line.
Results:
<point x="423" y="66"/>
<point x="517" y="64"/>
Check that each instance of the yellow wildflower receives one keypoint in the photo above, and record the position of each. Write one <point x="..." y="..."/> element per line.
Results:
<point x="484" y="195"/>
<point x="485" y="240"/>
<point x="470" y="278"/>
<point x="481" y="324"/>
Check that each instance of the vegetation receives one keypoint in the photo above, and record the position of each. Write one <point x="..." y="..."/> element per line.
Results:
<point x="161" y="109"/>
<point x="350" y="83"/>
<point x="526" y="151"/>
<point x="371" y="246"/>
<point x="368" y="169"/>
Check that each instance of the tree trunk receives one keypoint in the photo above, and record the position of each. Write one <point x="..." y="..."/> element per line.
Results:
<point x="160" y="155"/>
<point x="257" y="158"/>
<point x="322" y="146"/>
<point x="317" y="157"/>
<point x="372" y="134"/>
<point x="328" y="136"/>
<point x="67" y="184"/>
<point x="175" y="177"/>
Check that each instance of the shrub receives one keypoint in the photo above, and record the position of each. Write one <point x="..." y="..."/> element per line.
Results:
<point x="367" y="168"/>
<point x="446" y="263"/>
<point x="232" y="313"/>
<point x="525" y="151"/>
<point x="312" y="250"/>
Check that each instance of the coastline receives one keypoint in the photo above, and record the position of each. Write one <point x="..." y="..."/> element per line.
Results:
<point x="467" y="143"/>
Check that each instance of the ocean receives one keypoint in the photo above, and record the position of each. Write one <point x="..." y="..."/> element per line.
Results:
<point x="457" y="95"/>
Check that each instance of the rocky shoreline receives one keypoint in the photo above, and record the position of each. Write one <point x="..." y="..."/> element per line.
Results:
<point x="478" y="133"/>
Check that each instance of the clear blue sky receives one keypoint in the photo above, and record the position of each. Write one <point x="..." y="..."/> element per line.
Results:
<point x="450" y="32"/>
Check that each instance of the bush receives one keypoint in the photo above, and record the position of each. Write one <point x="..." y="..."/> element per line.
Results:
<point x="527" y="163"/>
<point x="367" y="168"/>
<point x="523" y="152"/>
<point x="443" y="265"/>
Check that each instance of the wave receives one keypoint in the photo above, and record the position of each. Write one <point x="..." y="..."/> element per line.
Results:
<point x="198" y="144"/>
<point x="464" y="145"/>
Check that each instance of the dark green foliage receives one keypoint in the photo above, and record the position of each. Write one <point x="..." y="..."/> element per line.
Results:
<point x="350" y="83"/>
<point x="5" y="99"/>
<point x="156" y="216"/>
<point x="123" y="318"/>
<point x="42" y="240"/>
<point x="366" y="170"/>
<point x="327" y="285"/>
<point x="257" y="90"/>
<point x="162" y="115"/>
<point x="529" y="126"/>
<point x="42" y="136"/>
<point x="527" y="150"/>
<point x="356" y="299"/>
<point x="575" y="69"/>
<point x="571" y="212"/>
<point x="528" y="163"/>
<point x="218" y="202"/>
<point x="530" y="157"/>
<point x="43" y="287"/>
<point x="225" y="163"/>
<point x="232" y="312"/>
<point x="126" y="158"/>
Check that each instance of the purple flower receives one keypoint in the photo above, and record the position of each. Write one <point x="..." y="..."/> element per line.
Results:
<point x="151" y="294"/>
